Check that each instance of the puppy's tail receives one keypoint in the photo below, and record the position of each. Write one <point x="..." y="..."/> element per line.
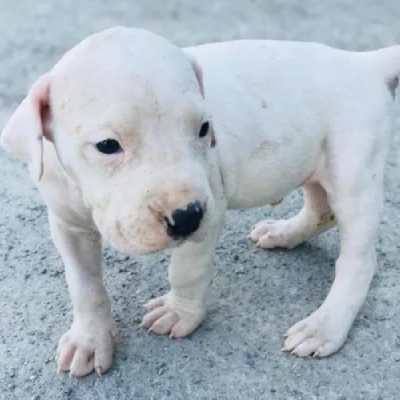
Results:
<point x="387" y="61"/>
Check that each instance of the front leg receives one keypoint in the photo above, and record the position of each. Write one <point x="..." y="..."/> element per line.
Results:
<point x="88" y="344"/>
<point x="183" y="308"/>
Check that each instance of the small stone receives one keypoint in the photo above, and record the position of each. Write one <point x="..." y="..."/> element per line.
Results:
<point x="250" y="360"/>
<point x="50" y="359"/>
<point x="162" y="368"/>
<point x="68" y="392"/>
<point x="239" y="271"/>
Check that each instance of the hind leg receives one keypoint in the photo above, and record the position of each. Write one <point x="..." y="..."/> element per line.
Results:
<point x="315" y="217"/>
<point x="325" y="330"/>
<point x="353" y="178"/>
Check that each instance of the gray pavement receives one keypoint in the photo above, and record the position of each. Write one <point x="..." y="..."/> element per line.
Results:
<point x="255" y="296"/>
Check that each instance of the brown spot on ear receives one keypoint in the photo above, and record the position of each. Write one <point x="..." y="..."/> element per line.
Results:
<point x="213" y="141"/>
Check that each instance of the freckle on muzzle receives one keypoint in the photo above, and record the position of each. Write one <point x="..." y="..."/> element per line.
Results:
<point x="185" y="222"/>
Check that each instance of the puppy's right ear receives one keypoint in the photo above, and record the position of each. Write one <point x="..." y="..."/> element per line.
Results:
<point x="23" y="134"/>
<point x="197" y="71"/>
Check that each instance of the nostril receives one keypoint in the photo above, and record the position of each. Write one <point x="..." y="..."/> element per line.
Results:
<point x="184" y="222"/>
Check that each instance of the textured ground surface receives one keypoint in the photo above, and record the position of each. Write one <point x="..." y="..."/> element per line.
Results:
<point x="256" y="295"/>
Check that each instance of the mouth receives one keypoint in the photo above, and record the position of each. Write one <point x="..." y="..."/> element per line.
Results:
<point x="126" y="245"/>
<point x="177" y="231"/>
<point x="195" y="237"/>
<point x="181" y="236"/>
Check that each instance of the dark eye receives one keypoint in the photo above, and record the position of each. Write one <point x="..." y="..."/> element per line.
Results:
<point x="108" y="146"/>
<point x="204" y="129"/>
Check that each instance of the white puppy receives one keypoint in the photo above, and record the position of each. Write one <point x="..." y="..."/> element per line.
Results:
<point x="147" y="145"/>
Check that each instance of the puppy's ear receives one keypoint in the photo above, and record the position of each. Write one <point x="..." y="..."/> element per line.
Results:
<point x="23" y="134"/>
<point x="197" y="71"/>
<point x="199" y="75"/>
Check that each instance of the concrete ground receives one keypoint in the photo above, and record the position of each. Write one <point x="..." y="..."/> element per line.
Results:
<point x="256" y="295"/>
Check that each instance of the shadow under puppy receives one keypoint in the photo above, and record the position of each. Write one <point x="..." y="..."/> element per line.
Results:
<point x="148" y="145"/>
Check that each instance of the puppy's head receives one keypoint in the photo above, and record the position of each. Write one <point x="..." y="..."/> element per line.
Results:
<point x="127" y="116"/>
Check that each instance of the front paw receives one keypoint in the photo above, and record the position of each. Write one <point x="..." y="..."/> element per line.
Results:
<point x="87" y="346"/>
<point x="319" y="335"/>
<point x="174" y="315"/>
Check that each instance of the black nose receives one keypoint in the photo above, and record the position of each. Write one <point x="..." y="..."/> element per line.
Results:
<point x="184" y="222"/>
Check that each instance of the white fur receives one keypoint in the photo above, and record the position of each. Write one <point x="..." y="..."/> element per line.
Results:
<point x="284" y="115"/>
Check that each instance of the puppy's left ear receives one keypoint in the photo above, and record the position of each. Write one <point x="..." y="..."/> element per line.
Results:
<point x="23" y="134"/>
<point x="199" y="76"/>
